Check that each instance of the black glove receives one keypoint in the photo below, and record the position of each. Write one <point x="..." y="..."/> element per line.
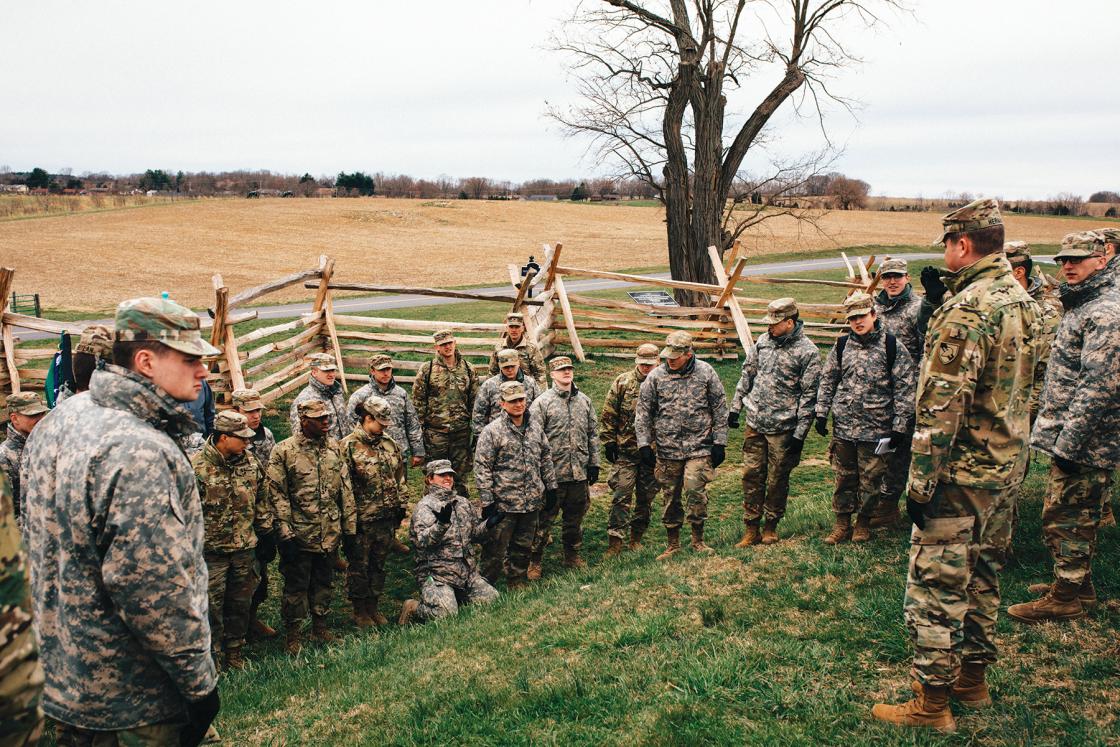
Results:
<point x="592" y="474"/>
<point x="266" y="547"/>
<point x="917" y="512"/>
<point x="399" y="514"/>
<point x="550" y="498"/>
<point x="443" y="516"/>
<point x="934" y="285"/>
<point x="350" y="546"/>
<point x="1067" y="466"/>
<point x="200" y="714"/>
<point x="732" y="419"/>
<point x="288" y="549"/>
<point x="898" y="439"/>
<point x="489" y="510"/>
<point x="612" y="452"/>
<point x="822" y="426"/>
<point x="495" y="518"/>
<point x="796" y="445"/>
<point x="646" y="456"/>
<point x="719" y="453"/>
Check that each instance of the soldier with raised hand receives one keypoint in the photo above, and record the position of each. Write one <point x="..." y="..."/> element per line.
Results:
<point x="630" y="477"/>
<point x="568" y="419"/>
<point x="682" y="408"/>
<point x="778" y="391"/>
<point x="1078" y="425"/>
<point x="236" y="512"/>
<point x="114" y="531"/>
<point x="25" y="410"/>
<point x="970" y="451"/>
<point x="532" y="362"/>
<point x="515" y="478"/>
<point x="487" y="407"/>
<point x="325" y="387"/>
<point x="444" y="392"/>
<point x="313" y="501"/>
<point x="1024" y="269"/>
<point x="377" y="470"/>
<point x="405" y="429"/>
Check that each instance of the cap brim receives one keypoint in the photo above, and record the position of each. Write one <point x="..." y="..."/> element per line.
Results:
<point x="768" y="320"/>
<point x="384" y="421"/>
<point x="444" y="472"/>
<point x="246" y="433"/>
<point x="250" y="407"/>
<point x="514" y="399"/>
<point x="646" y="361"/>
<point x="37" y="410"/>
<point x="382" y="367"/>
<point x="672" y="354"/>
<point x="940" y="240"/>
<point x="193" y="347"/>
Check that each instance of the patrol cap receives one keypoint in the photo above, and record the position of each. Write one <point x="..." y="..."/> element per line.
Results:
<point x="380" y="362"/>
<point x="676" y="344"/>
<point x="443" y="335"/>
<point x="857" y="304"/>
<point x="978" y="214"/>
<point x="26" y="403"/>
<point x="233" y="424"/>
<point x="97" y="341"/>
<point x="515" y="319"/>
<point x="508" y="357"/>
<point x="1110" y="235"/>
<point x="377" y="408"/>
<point x="511" y="391"/>
<point x="1017" y="252"/>
<point x="161" y="320"/>
<point x="312" y="408"/>
<point x="647" y="354"/>
<point x="439" y="467"/>
<point x="560" y="361"/>
<point x="1081" y="244"/>
<point x="247" y="400"/>
<point x="322" y="361"/>
<point x="779" y="310"/>
<point x="893" y="266"/>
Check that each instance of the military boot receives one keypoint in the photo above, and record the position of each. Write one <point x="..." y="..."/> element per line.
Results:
<point x="614" y="547"/>
<point x="1060" y="603"/>
<point x="636" y="538"/>
<point x="534" y="572"/>
<point x="319" y="630"/>
<point x="374" y="614"/>
<point x="971" y="689"/>
<point x="862" y="532"/>
<point x="1108" y="519"/>
<point x="841" y="530"/>
<point x="698" y="539"/>
<point x="1087" y="593"/>
<point x="674" y="547"/>
<point x="886" y="514"/>
<point x="407" y="611"/>
<point x="750" y="535"/>
<point x="929" y="708"/>
<point x="259" y="629"/>
<point x="340" y="563"/>
<point x="361" y="614"/>
<point x="293" y="642"/>
<point x="572" y="558"/>
<point x="234" y="660"/>
<point x="770" y="532"/>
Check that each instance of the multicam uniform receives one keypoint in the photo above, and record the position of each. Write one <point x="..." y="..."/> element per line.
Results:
<point x="405" y="430"/>
<point x="11" y="456"/>
<point x="486" y="406"/>
<point x="532" y="362"/>
<point x="629" y="476"/>
<point x="1051" y="317"/>
<point x="444" y="399"/>
<point x="335" y="401"/>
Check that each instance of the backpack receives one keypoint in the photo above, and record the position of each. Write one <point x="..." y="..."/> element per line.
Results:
<point x="892" y="353"/>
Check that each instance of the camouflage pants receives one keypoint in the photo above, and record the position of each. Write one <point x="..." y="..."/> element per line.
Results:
<point x="307" y="584"/>
<point x="768" y="459"/>
<point x="23" y="734"/>
<point x="952" y="587"/>
<point x="859" y="473"/>
<point x="265" y="553"/>
<point x="1071" y="516"/>
<point x="164" y="734"/>
<point x="687" y="480"/>
<point x="455" y="447"/>
<point x="508" y="547"/>
<point x="630" y="477"/>
<point x="896" y="474"/>
<point x="438" y="599"/>
<point x="573" y="499"/>
<point x="365" y="576"/>
<point x="233" y="579"/>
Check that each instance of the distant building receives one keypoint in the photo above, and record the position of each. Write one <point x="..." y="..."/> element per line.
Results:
<point x="542" y="198"/>
<point x="14" y="188"/>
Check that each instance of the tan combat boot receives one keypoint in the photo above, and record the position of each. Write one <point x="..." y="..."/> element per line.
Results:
<point x="293" y="643"/>
<point x="929" y="708"/>
<point x="971" y="688"/>
<point x="260" y="629"/>
<point x="698" y="540"/>
<point x="572" y="558"/>
<point x="770" y="532"/>
<point x="374" y="614"/>
<point x="319" y="630"/>
<point x="636" y="539"/>
<point x="407" y="611"/>
<point x="841" y="530"/>
<point x="1060" y="603"/>
<point x="234" y="660"/>
<point x="361" y="614"/>
<point x="1108" y="519"/>
<point x="862" y="532"/>
<point x="750" y="536"/>
<point x="1087" y="593"/>
<point x="340" y="563"/>
<point x="885" y="515"/>
<point x="614" y="547"/>
<point x="534" y="573"/>
<point x="399" y="547"/>
<point x="674" y="546"/>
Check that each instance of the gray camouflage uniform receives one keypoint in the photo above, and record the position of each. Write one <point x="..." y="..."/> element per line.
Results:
<point x="336" y="403"/>
<point x="405" y="430"/>
<point x="11" y="455"/>
<point x="262" y="444"/>
<point x="487" y="407"/>
<point x="900" y="317"/>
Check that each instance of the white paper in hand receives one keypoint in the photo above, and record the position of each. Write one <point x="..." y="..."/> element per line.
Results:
<point x="884" y="446"/>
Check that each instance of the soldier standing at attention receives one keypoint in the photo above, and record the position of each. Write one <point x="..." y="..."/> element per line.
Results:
<point x="444" y="392"/>
<point x="970" y="448"/>
<point x="868" y="386"/>
<point x="629" y="476"/>
<point x="325" y="387"/>
<point x="486" y="406"/>
<point x="683" y="409"/>
<point x="309" y="483"/>
<point x="25" y="410"/>
<point x="114" y="533"/>
<point x="1078" y="425"/>
<point x="778" y="390"/>
<point x="532" y="362"/>
<point x="405" y="429"/>
<point x="235" y="511"/>
<point x="568" y="419"/>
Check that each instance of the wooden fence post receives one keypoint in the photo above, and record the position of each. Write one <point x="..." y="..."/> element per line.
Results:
<point x="324" y="303"/>
<point x="6" y="275"/>
<point x="742" y="329"/>
<point x="569" y="320"/>
<point x="222" y="336"/>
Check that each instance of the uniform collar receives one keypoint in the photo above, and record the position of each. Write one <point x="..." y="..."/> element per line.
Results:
<point x="121" y="389"/>
<point x="1073" y="296"/>
<point x="991" y="266"/>
<point x="885" y="299"/>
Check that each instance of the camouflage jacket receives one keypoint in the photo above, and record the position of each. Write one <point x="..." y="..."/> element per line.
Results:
<point x="21" y="674"/>
<point x="1080" y="414"/>
<point x="859" y="393"/>
<point x="532" y="362"/>
<point x="899" y="316"/>
<point x="11" y="456"/>
<point x="336" y="403"/>
<point x="444" y="397"/>
<point x="616" y="421"/>
<point x="512" y="465"/>
<point x="972" y="403"/>
<point x="443" y="551"/>
<point x="487" y="406"/>
<point x="312" y="497"/>
<point x="1051" y="315"/>
<point x="262" y="444"/>
<point x="377" y="473"/>
<point x="568" y="419"/>
<point x="235" y="505"/>
<point x="1112" y="271"/>
<point x="778" y="386"/>
<point x="682" y="412"/>
<point x="405" y="430"/>
<point x="114" y="531"/>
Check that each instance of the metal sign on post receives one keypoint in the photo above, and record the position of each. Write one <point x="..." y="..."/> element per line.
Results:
<point x="653" y="298"/>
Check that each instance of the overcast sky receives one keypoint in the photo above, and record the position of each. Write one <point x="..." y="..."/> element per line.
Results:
<point x="1013" y="98"/>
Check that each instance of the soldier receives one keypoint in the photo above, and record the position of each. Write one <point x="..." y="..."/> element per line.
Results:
<point x="1024" y="269"/>
<point x="1079" y="427"/>
<point x="114" y="532"/>
<point x="969" y="449"/>
<point x="94" y="346"/>
<point x="444" y="392"/>
<point x="235" y="511"/>
<point x="325" y="387"/>
<point x="405" y="429"/>
<point x="532" y="362"/>
<point x="444" y="526"/>
<point x="682" y="408"/>
<point x="1111" y="238"/>
<point x="568" y="419"/>
<point x="25" y="410"/>
<point x="21" y="674"/>
<point x="630" y="475"/>
<point x="515" y="477"/>
<point x="868" y="386"/>
<point x="778" y="389"/>
<point x="313" y="503"/>
<point x="377" y="471"/>
<point x="486" y="406"/>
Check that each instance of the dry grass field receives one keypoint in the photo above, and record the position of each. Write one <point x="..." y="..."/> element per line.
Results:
<point x="90" y="261"/>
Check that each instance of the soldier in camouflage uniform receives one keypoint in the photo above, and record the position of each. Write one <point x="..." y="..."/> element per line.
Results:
<point x="532" y="362"/>
<point x="1111" y="238"/>
<point x="444" y="392"/>
<point x="1079" y="427"/>
<point x="444" y="527"/>
<point x="236" y="511"/>
<point x="486" y="406"/>
<point x="25" y="410"/>
<point x="515" y="477"/>
<point x="970" y="451"/>
<point x="629" y="476"/>
<point x="313" y="504"/>
<point x="325" y="387"/>
<point x="21" y="674"/>
<point x="682" y="408"/>
<point x="377" y="470"/>
<point x="94" y="345"/>
<point x="114" y="531"/>
<point x="870" y="399"/>
<point x="1018" y="254"/>
<point x="405" y="429"/>
<point x="778" y="389"/>
<point x="568" y="419"/>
